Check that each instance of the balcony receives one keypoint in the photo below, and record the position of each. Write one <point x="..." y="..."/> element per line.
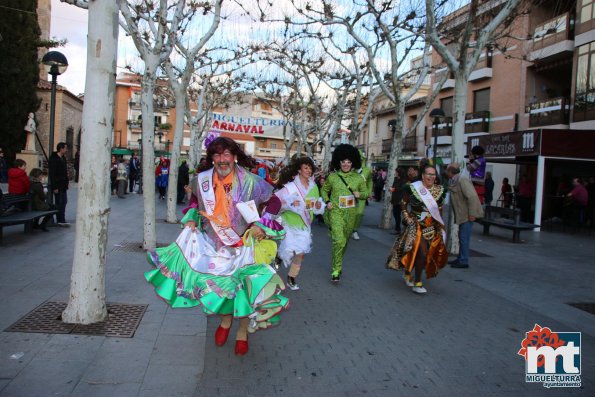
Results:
<point x="477" y="122"/>
<point x="584" y="107"/>
<point x="553" y="39"/>
<point x="549" y="112"/>
<point x="483" y="69"/>
<point x="445" y="127"/>
<point x="386" y="145"/>
<point x="409" y="143"/>
<point x="134" y="123"/>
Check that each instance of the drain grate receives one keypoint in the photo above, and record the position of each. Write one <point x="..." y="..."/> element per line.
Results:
<point x="477" y="254"/>
<point x="123" y="320"/>
<point x="588" y="307"/>
<point x="132" y="246"/>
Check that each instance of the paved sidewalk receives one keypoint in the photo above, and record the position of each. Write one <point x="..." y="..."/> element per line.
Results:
<point x="367" y="336"/>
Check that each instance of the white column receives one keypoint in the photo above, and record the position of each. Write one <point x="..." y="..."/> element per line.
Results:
<point x="539" y="191"/>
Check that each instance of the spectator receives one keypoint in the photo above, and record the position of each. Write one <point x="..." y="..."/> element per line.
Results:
<point x="183" y="180"/>
<point x="162" y="177"/>
<point x="489" y="189"/>
<point x="113" y="176"/>
<point x="412" y="175"/>
<point x="379" y="182"/>
<point x="477" y="169"/>
<point x="134" y="171"/>
<point x="76" y="165"/>
<point x="58" y="181"/>
<point x="591" y="202"/>
<point x="506" y="194"/>
<point x="3" y="168"/>
<point x="525" y="198"/>
<point x="18" y="181"/>
<point x="396" y="197"/>
<point x="38" y="199"/>
<point x="122" y="178"/>
<point x="467" y="208"/>
<point x="579" y="198"/>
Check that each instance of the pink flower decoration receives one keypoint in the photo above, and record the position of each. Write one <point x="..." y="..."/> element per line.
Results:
<point x="211" y="265"/>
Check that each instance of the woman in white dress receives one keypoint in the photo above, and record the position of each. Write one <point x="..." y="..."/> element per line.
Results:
<point x="300" y="201"/>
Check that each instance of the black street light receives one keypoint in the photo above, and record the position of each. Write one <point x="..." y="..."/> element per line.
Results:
<point x="436" y="115"/>
<point x="55" y="63"/>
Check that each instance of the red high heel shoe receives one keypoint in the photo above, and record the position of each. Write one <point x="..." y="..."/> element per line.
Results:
<point x="221" y="335"/>
<point x="241" y="347"/>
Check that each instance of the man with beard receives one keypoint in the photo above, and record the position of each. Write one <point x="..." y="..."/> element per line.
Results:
<point x="221" y="259"/>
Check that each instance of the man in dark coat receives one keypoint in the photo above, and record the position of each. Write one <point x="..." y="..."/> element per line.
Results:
<point x="183" y="180"/>
<point x="58" y="181"/>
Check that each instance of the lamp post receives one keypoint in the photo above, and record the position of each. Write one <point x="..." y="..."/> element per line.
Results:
<point x="55" y="63"/>
<point x="436" y="115"/>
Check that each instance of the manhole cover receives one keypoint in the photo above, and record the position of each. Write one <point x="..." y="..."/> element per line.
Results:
<point x="123" y="320"/>
<point x="133" y="246"/>
<point x="588" y="307"/>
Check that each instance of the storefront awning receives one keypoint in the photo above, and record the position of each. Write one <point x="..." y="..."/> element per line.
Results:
<point x="121" y="151"/>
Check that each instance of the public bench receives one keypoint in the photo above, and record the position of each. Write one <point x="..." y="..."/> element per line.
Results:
<point x="506" y="218"/>
<point x="20" y="212"/>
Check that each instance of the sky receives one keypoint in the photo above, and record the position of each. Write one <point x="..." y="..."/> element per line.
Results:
<point x="70" y="22"/>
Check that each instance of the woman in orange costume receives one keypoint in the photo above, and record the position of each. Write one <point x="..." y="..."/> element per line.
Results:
<point x="421" y="246"/>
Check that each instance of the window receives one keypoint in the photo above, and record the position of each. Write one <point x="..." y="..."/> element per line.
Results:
<point x="481" y="100"/>
<point x="584" y="99"/>
<point x="273" y="146"/>
<point x="446" y="106"/>
<point x="586" y="11"/>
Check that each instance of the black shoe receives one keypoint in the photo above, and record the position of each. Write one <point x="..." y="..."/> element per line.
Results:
<point x="453" y="262"/>
<point x="292" y="284"/>
<point x="336" y="278"/>
<point x="44" y="229"/>
<point x="460" y="265"/>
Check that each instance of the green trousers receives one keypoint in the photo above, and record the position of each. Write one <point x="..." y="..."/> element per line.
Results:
<point x="342" y="222"/>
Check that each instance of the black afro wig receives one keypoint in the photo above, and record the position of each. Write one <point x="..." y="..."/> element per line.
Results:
<point x="346" y="152"/>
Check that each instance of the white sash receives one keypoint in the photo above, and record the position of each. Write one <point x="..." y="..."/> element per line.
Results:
<point x="205" y="183"/>
<point x="293" y="188"/>
<point x="431" y="204"/>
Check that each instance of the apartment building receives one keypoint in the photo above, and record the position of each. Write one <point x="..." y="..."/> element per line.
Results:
<point x="376" y="138"/>
<point x="532" y="105"/>
<point x="251" y="120"/>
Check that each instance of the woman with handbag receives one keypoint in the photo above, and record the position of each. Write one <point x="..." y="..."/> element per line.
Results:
<point x="421" y="246"/>
<point x="340" y="192"/>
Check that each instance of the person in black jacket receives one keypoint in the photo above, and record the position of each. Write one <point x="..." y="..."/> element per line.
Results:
<point x="58" y="181"/>
<point x="183" y="181"/>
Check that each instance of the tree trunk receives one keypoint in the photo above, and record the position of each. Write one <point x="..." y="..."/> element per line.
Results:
<point x="393" y="162"/>
<point x="148" y="160"/>
<point x="458" y="122"/>
<point x="458" y="147"/>
<point x="86" y="303"/>
<point x="172" y="194"/>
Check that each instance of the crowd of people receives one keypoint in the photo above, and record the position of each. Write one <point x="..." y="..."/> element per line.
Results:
<point x="242" y="224"/>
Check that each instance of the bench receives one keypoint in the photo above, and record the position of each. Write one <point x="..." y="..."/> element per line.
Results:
<point x="19" y="216"/>
<point x="507" y="218"/>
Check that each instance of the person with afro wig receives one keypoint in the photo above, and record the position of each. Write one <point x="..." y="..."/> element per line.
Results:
<point x="341" y="192"/>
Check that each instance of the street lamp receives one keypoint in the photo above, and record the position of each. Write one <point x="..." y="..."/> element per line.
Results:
<point x="436" y="115"/>
<point x="55" y="63"/>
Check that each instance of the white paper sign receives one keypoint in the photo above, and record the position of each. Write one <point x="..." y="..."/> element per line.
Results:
<point x="248" y="210"/>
